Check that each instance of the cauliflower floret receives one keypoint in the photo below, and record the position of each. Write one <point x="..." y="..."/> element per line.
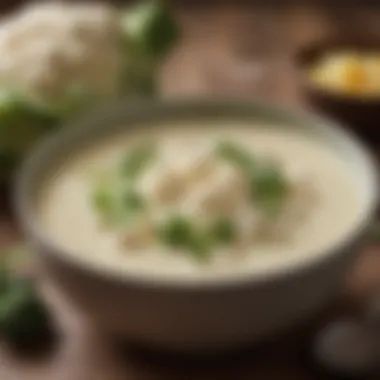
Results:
<point x="139" y="235"/>
<point x="302" y="198"/>
<point x="170" y="187"/>
<point x="163" y="184"/>
<point x="219" y="195"/>
<point x="44" y="9"/>
<point x="49" y="47"/>
<point x="201" y="165"/>
<point x="100" y="19"/>
<point x="248" y="221"/>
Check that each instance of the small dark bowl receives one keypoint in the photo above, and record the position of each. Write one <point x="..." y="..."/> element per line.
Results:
<point x="361" y="114"/>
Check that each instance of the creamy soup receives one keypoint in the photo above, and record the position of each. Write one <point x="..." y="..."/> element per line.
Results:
<point x="195" y="201"/>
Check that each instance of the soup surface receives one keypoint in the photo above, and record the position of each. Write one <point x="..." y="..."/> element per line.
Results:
<point x="193" y="201"/>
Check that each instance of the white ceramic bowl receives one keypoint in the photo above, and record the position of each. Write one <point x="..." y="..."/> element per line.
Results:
<point x="219" y="314"/>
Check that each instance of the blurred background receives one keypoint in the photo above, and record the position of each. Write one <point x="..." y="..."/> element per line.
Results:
<point x="239" y="49"/>
<point x="247" y="46"/>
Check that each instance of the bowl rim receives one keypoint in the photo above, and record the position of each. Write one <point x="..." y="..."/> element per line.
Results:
<point x="35" y="235"/>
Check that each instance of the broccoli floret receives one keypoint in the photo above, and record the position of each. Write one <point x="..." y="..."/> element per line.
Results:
<point x="25" y="322"/>
<point x="22" y="121"/>
<point x="149" y="33"/>
<point x="149" y="28"/>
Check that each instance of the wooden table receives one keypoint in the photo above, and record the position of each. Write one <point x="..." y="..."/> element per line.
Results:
<point x="241" y="51"/>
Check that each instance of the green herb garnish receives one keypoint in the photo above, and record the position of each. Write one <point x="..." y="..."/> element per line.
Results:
<point x="180" y="232"/>
<point x="176" y="231"/>
<point x="117" y="204"/>
<point x="106" y="200"/>
<point x="103" y="199"/>
<point x="200" y="244"/>
<point x="223" y="231"/>
<point x="132" y="201"/>
<point x="268" y="184"/>
<point x="236" y="155"/>
<point x="137" y="159"/>
<point x="114" y="196"/>
<point x="269" y="188"/>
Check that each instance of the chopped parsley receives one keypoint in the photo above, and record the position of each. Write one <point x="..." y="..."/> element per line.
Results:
<point x="236" y="155"/>
<point x="223" y="231"/>
<point x="269" y="188"/>
<point x="267" y="181"/>
<point x="117" y="204"/>
<point x="137" y="159"/>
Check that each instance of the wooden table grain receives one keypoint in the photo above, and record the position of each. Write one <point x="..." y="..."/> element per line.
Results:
<point x="239" y="51"/>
